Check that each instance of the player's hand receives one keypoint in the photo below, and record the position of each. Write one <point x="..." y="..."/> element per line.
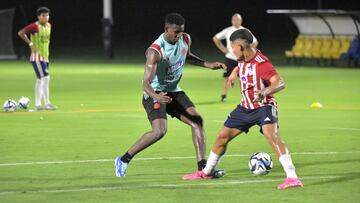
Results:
<point x="231" y="81"/>
<point x="32" y="48"/>
<point x="163" y="98"/>
<point x="215" y="65"/>
<point x="259" y="96"/>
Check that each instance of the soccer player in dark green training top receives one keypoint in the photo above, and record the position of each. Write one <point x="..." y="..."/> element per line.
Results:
<point x="162" y="95"/>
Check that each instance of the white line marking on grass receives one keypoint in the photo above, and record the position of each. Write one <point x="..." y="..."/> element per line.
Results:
<point x="219" y="121"/>
<point x="162" y="158"/>
<point x="55" y="162"/>
<point x="334" y="128"/>
<point x="108" y="110"/>
<point x="180" y="185"/>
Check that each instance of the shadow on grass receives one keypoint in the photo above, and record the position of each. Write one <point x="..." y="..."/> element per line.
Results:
<point x="326" y="162"/>
<point x="245" y="171"/>
<point x="342" y="178"/>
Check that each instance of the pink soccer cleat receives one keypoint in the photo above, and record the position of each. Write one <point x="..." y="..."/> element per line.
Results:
<point x="196" y="175"/>
<point x="290" y="182"/>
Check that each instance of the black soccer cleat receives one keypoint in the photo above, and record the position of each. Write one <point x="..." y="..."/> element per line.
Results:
<point x="223" y="98"/>
<point x="219" y="174"/>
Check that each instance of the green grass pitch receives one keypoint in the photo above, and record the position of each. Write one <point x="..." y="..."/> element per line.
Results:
<point x="67" y="155"/>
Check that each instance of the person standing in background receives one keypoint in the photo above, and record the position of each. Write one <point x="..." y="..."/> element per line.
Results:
<point x="39" y="42"/>
<point x="230" y="59"/>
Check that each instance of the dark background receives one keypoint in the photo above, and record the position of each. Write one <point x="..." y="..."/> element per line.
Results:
<point x="77" y="24"/>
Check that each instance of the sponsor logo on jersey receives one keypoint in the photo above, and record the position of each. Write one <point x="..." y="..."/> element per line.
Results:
<point x="176" y="66"/>
<point x="243" y="78"/>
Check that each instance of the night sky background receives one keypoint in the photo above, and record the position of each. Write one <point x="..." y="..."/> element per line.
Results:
<point x="137" y="23"/>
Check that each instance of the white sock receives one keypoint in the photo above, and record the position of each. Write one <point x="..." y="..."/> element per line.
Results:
<point x="38" y="92"/>
<point x="46" y="82"/>
<point x="288" y="166"/>
<point x="211" y="163"/>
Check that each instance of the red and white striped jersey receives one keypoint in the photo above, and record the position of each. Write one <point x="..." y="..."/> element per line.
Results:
<point x="33" y="29"/>
<point x="36" y="56"/>
<point x="254" y="76"/>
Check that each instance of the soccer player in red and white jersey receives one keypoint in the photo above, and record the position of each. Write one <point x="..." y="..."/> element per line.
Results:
<point x="258" y="82"/>
<point x="39" y="41"/>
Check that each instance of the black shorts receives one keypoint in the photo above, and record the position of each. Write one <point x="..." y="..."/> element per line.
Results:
<point x="180" y="102"/>
<point x="243" y="119"/>
<point x="230" y="65"/>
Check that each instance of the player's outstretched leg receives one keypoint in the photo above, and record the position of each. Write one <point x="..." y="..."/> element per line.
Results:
<point x="159" y="127"/>
<point x="195" y="121"/>
<point x="272" y="136"/>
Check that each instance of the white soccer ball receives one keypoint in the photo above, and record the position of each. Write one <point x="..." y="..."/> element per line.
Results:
<point x="24" y="102"/>
<point x="9" y="105"/>
<point x="260" y="163"/>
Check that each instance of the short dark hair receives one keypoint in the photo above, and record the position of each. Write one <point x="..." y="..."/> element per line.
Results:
<point x="244" y="34"/>
<point x="42" y="10"/>
<point x="174" y="18"/>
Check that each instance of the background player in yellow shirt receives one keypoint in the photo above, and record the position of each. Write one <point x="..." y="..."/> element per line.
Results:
<point x="39" y="42"/>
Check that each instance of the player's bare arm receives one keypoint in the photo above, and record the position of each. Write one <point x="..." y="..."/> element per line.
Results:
<point x="276" y="84"/>
<point x="22" y="34"/>
<point x="233" y="76"/>
<point x="220" y="45"/>
<point x="152" y="58"/>
<point x="197" y="61"/>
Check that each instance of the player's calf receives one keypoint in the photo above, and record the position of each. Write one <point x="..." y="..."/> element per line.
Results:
<point x="222" y="139"/>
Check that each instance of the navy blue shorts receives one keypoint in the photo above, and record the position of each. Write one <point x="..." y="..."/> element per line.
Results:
<point x="41" y="68"/>
<point x="243" y="119"/>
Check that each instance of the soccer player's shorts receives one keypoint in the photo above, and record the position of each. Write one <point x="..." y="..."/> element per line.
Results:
<point x="180" y="102"/>
<point x="243" y="119"/>
<point x="230" y="65"/>
<point x="41" y="68"/>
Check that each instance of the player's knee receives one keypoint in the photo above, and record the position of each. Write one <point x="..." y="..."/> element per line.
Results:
<point x="197" y="120"/>
<point x="159" y="132"/>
